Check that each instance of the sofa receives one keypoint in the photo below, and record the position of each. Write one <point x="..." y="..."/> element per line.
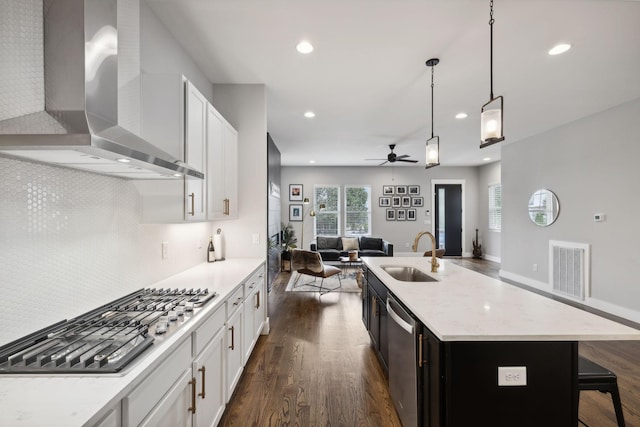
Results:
<point x="331" y="248"/>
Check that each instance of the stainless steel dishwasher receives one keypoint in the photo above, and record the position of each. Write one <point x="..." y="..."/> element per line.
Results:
<point x="403" y="370"/>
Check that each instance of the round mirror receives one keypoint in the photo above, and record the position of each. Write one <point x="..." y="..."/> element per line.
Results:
<point x="543" y="208"/>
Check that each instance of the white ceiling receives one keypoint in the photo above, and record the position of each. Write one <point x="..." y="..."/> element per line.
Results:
<point x="368" y="84"/>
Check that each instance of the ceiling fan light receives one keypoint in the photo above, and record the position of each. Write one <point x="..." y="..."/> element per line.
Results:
<point x="433" y="152"/>
<point x="491" y="130"/>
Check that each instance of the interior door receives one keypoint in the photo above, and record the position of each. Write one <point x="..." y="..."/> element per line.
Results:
<point x="448" y="218"/>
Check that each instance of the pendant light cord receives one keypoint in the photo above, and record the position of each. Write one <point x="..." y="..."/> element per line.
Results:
<point x="491" y="21"/>
<point x="432" y="101"/>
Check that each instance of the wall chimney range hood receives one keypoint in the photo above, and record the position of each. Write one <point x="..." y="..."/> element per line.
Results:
<point x="64" y="84"/>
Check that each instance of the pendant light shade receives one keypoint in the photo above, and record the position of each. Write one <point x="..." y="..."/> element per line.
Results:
<point x="491" y="123"/>
<point x="433" y="143"/>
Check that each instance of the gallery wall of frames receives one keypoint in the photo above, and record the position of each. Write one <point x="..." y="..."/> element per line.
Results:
<point x="400" y="202"/>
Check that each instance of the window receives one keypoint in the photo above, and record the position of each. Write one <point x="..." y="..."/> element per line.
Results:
<point x="327" y="220"/>
<point x="495" y="207"/>
<point x="357" y="202"/>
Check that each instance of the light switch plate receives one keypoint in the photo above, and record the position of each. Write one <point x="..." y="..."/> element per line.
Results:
<point x="512" y="376"/>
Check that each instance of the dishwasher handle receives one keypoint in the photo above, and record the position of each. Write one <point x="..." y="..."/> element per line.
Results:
<point x="396" y="318"/>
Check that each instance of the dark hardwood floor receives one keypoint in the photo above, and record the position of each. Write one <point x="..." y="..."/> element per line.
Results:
<point x="316" y="367"/>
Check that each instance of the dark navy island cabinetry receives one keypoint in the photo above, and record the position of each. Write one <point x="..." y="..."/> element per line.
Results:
<point x="457" y="382"/>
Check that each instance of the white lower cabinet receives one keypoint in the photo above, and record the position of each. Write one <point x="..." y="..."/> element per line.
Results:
<point x="234" y="332"/>
<point x="208" y="370"/>
<point x="112" y="419"/>
<point x="175" y="408"/>
<point x="254" y="312"/>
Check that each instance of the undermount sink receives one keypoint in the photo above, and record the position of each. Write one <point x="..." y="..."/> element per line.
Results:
<point x="407" y="274"/>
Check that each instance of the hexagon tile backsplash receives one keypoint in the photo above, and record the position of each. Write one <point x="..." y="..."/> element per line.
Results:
<point x="69" y="242"/>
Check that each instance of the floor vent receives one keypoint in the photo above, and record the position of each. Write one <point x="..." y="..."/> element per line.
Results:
<point x="569" y="268"/>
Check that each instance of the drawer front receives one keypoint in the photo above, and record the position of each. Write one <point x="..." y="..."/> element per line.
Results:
<point x="203" y="334"/>
<point x="255" y="280"/>
<point x="234" y="301"/>
<point x="141" y="401"/>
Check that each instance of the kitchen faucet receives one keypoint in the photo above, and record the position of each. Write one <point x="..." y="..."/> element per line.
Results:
<point x="434" y="261"/>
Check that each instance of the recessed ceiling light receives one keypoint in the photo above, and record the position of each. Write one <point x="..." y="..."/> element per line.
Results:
<point x="559" y="48"/>
<point x="177" y="175"/>
<point x="461" y="116"/>
<point x="309" y="114"/>
<point x="304" y="47"/>
<point x="486" y="159"/>
<point x="124" y="160"/>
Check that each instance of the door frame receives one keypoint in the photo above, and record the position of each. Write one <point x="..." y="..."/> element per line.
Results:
<point x="460" y="182"/>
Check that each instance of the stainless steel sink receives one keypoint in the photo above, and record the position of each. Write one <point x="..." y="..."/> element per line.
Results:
<point x="407" y="274"/>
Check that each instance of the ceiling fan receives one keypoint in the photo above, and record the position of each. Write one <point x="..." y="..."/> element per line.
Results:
<point x="393" y="157"/>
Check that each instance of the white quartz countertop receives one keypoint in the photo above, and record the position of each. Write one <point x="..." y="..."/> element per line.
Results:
<point x="467" y="306"/>
<point x="82" y="400"/>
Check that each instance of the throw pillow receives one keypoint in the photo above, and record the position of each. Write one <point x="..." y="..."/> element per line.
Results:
<point x="327" y="242"/>
<point x="373" y="243"/>
<point x="350" y="244"/>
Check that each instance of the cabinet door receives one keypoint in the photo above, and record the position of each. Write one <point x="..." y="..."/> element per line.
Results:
<point x="231" y="171"/>
<point x="195" y="152"/>
<point x="432" y="378"/>
<point x="233" y="343"/>
<point x="261" y="307"/>
<point x="222" y="167"/>
<point x="208" y="369"/>
<point x="174" y="409"/>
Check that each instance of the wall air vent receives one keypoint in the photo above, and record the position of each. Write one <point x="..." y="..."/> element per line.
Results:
<point x="569" y="268"/>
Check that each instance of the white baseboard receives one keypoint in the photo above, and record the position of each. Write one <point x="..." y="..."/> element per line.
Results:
<point x="605" y="306"/>
<point x="491" y="258"/>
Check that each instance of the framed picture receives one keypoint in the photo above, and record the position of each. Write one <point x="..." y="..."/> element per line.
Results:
<point x="396" y="201"/>
<point x="295" y="192"/>
<point x="417" y="202"/>
<point x="411" y="214"/>
<point x="414" y="190"/>
<point x="384" y="202"/>
<point x="295" y="212"/>
<point x="401" y="215"/>
<point x="406" y="201"/>
<point x="401" y="189"/>
<point x="387" y="190"/>
<point x="391" y="215"/>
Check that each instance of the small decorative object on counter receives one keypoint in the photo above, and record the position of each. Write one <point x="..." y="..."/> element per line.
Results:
<point x="211" y="251"/>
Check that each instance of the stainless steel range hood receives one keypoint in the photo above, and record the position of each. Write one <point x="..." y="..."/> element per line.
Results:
<point x="68" y="73"/>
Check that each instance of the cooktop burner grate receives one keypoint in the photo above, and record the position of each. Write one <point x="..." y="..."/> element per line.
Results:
<point x="106" y="339"/>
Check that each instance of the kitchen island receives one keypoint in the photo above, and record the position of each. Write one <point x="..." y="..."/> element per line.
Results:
<point x="471" y="327"/>
<point x="113" y="399"/>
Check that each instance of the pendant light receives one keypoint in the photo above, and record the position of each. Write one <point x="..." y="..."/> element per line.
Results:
<point x="491" y="113"/>
<point x="433" y="143"/>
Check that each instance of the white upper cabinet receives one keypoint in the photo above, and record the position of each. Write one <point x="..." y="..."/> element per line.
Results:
<point x="195" y="152"/>
<point x="222" y="167"/>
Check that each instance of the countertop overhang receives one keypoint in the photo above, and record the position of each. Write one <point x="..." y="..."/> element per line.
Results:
<point x="464" y="305"/>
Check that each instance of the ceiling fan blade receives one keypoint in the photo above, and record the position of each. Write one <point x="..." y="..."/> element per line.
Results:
<point x="375" y="159"/>
<point x="407" y="160"/>
<point x="404" y="156"/>
<point x="386" y="161"/>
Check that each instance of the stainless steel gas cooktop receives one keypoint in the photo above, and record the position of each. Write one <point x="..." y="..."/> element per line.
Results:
<point x="106" y="339"/>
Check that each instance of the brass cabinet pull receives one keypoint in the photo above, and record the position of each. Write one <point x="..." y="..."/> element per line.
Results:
<point x="421" y="360"/>
<point x="258" y="300"/>
<point x="373" y="306"/>
<point x="238" y="301"/>
<point x="232" y="346"/>
<point x="193" y="204"/>
<point x="202" y="370"/>
<point x="226" y="206"/>
<point x="192" y="409"/>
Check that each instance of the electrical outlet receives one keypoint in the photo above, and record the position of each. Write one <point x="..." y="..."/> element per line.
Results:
<point x="406" y="245"/>
<point x="256" y="238"/>
<point x="512" y="375"/>
<point x="165" y="250"/>
<point x="199" y="244"/>
<point x="535" y="267"/>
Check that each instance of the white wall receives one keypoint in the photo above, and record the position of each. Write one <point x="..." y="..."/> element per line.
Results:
<point x="400" y="233"/>
<point x="592" y="166"/>
<point x="244" y="106"/>
<point x="489" y="240"/>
